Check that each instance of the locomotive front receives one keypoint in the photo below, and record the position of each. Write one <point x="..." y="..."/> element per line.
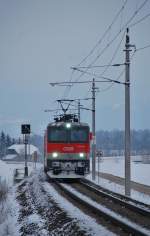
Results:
<point x="67" y="148"/>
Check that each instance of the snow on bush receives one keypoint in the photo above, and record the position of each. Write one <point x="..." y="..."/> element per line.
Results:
<point x="3" y="198"/>
<point x="8" y="211"/>
<point x="3" y="190"/>
<point x="3" y="206"/>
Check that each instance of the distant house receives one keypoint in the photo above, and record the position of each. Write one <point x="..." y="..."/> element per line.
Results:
<point x="16" y="152"/>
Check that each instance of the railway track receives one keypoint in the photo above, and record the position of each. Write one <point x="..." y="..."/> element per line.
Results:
<point x="139" y="207"/>
<point x="120" y="216"/>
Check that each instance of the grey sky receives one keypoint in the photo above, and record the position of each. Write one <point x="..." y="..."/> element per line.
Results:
<point x="41" y="40"/>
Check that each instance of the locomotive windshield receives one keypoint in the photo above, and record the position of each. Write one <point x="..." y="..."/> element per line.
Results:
<point x="57" y="135"/>
<point x="73" y="135"/>
<point x="79" y="134"/>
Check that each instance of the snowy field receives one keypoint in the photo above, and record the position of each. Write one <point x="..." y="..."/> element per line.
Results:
<point x="140" y="172"/>
<point x="38" y="189"/>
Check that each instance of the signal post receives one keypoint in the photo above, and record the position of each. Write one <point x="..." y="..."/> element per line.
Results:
<point x="25" y="130"/>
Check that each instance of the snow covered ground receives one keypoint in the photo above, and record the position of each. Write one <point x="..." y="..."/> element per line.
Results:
<point x="9" y="207"/>
<point x="85" y="222"/>
<point x="31" y="214"/>
<point x="7" y="170"/>
<point x="8" y="215"/>
<point x="41" y="211"/>
<point x="120" y="189"/>
<point x="140" y="172"/>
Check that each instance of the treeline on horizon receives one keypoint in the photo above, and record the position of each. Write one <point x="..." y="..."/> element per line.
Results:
<point x="114" y="140"/>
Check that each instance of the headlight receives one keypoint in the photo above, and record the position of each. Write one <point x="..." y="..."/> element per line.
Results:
<point x="81" y="154"/>
<point x="68" y="125"/>
<point x="54" y="154"/>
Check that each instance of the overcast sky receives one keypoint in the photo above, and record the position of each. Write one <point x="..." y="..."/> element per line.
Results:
<point x="41" y="39"/>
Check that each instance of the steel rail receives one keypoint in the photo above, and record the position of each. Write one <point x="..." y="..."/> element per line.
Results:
<point x="128" y="202"/>
<point x="129" y="227"/>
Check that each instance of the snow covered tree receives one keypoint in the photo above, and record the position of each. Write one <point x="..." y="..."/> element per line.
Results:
<point x="2" y="144"/>
<point x="19" y="141"/>
<point x="8" y="141"/>
<point x="13" y="141"/>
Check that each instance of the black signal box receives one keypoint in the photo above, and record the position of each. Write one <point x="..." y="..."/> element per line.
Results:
<point x="25" y="129"/>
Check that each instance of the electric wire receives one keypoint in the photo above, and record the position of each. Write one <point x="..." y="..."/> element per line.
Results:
<point x="67" y="90"/>
<point x="104" y="34"/>
<point x="115" y="37"/>
<point x="118" y="77"/>
<point x="114" y="55"/>
<point x="125" y="25"/>
<point x="138" y="49"/>
<point x="106" y="79"/>
<point x="142" y="48"/>
<point x="140" y="20"/>
<point x="98" y="56"/>
<point x="99" y="66"/>
<point x="121" y="18"/>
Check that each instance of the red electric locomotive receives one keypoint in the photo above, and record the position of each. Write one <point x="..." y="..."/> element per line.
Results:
<point x="67" y="148"/>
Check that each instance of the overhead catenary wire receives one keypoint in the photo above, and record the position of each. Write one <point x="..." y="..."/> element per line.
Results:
<point x="121" y="73"/>
<point x="115" y="52"/>
<point x="121" y="18"/>
<point x="99" y="66"/>
<point x="135" y="13"/>
<point x="142" y="48"/>
<point x="113" y="57"/>
<point x="112" y="84"/>
<point x="115" y="37"/>
<point x="140" y="20"/>
<point x="106" y="79"/>
<point x="105" y="33"/>
<point x="109" y="86"/>
<point x="66" y="92"/>
<point x="135" y="23"/>
<point x="119" y="76"/>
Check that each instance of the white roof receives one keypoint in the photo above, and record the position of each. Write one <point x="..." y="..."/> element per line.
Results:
<point x="20" y="148"/>
<point x="9" y="156"/>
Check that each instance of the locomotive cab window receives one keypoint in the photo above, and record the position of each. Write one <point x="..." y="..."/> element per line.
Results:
<point x="57" y="134"/>
<point x="79" y="134"/>
<point x="62" y="134"/>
